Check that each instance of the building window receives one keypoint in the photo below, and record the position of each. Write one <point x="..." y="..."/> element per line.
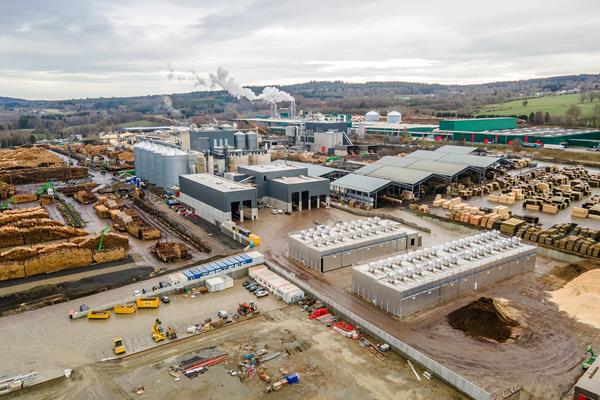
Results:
<point x="412" y="241"/>
<point x="264" y="178"/>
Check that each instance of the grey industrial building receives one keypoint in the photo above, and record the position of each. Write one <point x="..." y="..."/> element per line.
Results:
<point x="407" y="283"/>
<point x="411" y="173"/>
<point x="326" y="248"/>
<point x="217" y="199"/>
<point x="287" y="186"/>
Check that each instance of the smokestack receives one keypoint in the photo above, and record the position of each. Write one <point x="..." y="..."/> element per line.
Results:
<point x="274" y="112"/>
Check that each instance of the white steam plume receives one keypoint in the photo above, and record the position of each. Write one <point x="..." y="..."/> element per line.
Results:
<point x="168" y="105"/>
<point x="222" y="80"/>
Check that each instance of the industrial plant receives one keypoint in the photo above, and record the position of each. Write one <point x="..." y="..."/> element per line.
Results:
<point x="325" y="248"/>
<point x="408" y="283"/>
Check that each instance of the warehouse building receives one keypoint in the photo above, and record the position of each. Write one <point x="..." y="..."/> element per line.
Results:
<point x="217" y="199"/>
<point x="289" y="187"/>
<point x="505" y="131"/>
<point x="412" y="174"/>
<point x="408" y="283"/>
<point x="326" y="248"/>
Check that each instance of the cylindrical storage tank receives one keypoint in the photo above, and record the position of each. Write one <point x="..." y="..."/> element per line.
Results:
<point x="175" y="162"/>
<point x="240" y="140"/>
<point x="251" y="141"/>
<point x="372" y="116"/>
<point x="144" y="160"/>
<point x="394" y="117"/>
<point x="136" y="159"/>
<point x="150" y="162"/>
<point x="159" y="166"/>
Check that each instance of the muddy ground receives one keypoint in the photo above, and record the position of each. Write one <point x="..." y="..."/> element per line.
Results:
<point x="330" y="367"/>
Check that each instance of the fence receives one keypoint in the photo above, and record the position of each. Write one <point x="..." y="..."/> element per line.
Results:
<point x="445" y="374"/>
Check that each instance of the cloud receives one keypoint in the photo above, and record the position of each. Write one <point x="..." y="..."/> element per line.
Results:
<point x="63" y="49"/>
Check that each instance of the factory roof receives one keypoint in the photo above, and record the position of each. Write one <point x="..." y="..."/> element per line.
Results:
<point x="392" y="125"/>
<point x="272" y="167"/>
<point x="536" y="131"/>
<point x="361" y="183"/>
<point x="469" y="160"/>
<point x="409" y="273"/>
<point x="313" y="169"/>
<point x="406" y="176"/>
<point x="438" y="167"/>
<point x="291" y="180"/>
<point x="448" y="148"/>
<point x="217" y="183"/>
<point x="350" y="234"/>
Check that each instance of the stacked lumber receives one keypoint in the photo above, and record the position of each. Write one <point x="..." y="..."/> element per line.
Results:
<point x="6" y="190"/>
<point x="143" y="232"/>
<point x="24" y="198"/>
<point x="170" y="251"/>
<point x="102" y="211"/>
<point x="84" y="197"/>
<point x="60" y="259"/>
<point x="10" y="216"/>
<point x="111" y="240"/>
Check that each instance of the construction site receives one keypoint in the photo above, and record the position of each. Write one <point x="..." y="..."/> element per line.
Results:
<point x="176" y="267"/>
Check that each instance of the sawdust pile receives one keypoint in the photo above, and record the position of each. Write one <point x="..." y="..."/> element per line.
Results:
<point x="580" y="298"/>
<point x="486" y="318"/>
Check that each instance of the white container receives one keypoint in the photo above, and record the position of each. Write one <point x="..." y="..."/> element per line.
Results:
<point x="215" y="284"/>
<point x="228" y="282"/>
<point x="290" y="293"/>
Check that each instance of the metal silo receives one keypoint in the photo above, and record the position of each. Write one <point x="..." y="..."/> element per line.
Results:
<point x="251" y="140"/>
<point x="136" y="159"/>
<point x="240" y="140"/>
<point x="175" y="162"/>
<point x="159" y="165"/>
<point x="151" y="159"/>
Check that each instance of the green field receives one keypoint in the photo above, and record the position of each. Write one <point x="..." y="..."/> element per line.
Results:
<point x="555" y="105"/>
<point x="141" y="122"/>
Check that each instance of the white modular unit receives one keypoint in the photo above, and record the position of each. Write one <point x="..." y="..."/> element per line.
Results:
<point x="290" y="293"/>
<point x="215" y="284"/>
<point x="228" y="281"/>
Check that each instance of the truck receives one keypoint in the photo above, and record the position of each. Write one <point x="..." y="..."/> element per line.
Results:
<point x="147" y="302"/>
<point x="125" y="308"/>
<point x="98" y="314"/>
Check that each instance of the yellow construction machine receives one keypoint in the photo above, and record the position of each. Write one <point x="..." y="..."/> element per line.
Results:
<point x="157" y="331"/>
<point x="118" y="346"/>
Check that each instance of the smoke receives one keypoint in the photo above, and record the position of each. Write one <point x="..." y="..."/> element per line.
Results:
<point x="168" y="105"/>
<point x="274" y="95"/>
<point x="221" y="79"/>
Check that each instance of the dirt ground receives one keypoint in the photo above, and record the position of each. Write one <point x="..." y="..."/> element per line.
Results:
<point x="544" y="360"/>
<point x="330" y="367"/>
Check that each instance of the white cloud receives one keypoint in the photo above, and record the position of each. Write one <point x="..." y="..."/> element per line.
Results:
<point x="63" y="49"/>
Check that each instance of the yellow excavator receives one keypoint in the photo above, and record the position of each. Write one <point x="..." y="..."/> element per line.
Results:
<point x="118" y="346"/>
<point x="157" y="331"/>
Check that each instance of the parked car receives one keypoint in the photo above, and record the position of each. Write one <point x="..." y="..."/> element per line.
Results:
<point x="137" y="292"/>
<point x="261" y="293"/>
<point x="276" y="211"/>
<point x="83" y="308"/>
<point x="248" y="283"/>
<point x="257" y="288"/>
<point x="252" y="286"/>
<point x="165" y="299"/>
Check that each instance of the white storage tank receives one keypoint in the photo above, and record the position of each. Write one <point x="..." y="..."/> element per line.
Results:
<point x="240" y="140"/>
<point x="394" y="117"/>
<point x="174" y="163"/>
<point x="372" y="116"/>
<point x="136" y="159"/>
<point x="251" y="141"/>
<point x="151" y="162"/>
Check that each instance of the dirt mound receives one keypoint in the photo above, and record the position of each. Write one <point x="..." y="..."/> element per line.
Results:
<point x="572" y="271"/>
<point x="486" y="318"/>
<point x="580" y="298"/>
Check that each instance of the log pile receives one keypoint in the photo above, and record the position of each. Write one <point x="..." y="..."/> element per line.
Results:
<point x="23" y="198"/>
<point x="170" y="251"/>
<point x="6" y="191"/>
<point x="24" y="261"/>
<point x="84" y="197"/>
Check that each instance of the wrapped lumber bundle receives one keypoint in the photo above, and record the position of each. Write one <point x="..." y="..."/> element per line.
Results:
<point x="578" y="212"/>
<point x="58" y="260"/>
<point x="48" y="233"/>
<point x="10" y="236"/>
<point x="103" y="256"/>
<point x="84" y="197"/>
<point x="23" y="198"/>
<point x="19" y="253"/>
<point x="11" y="270"/>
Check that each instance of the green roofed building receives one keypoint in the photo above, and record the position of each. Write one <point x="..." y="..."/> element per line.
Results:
<point x="478" y="124"/>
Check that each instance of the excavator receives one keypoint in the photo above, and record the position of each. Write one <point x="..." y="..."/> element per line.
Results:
<point x="118" y="346"/>
<point x="246" y="309"/>
<point x="103" y="233"/>
<point x="157" y="331"/>
<point x="171" y="333"/>
<point x="590" y="360"/>
<point x="44" y="188"/>
<point x="5" y="205"/>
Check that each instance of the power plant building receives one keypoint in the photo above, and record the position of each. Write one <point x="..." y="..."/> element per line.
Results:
<point x="408" y="283"/>
<point x="217" y="199"/>
<point x="326" y="248"/>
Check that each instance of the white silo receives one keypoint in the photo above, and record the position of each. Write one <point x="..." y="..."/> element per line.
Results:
<point x="174" y="163"/>
<point x="372" y="116"/>
<point x="394" y="117"/>
<point x="137" y="159"/>
<point x="151" y="161"/>
<point x="143" y="149"/>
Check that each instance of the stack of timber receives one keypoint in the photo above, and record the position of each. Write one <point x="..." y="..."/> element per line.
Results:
<point x="170" y="251"/>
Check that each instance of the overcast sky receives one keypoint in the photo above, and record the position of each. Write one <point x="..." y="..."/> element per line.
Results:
<point x="51" y="49"/>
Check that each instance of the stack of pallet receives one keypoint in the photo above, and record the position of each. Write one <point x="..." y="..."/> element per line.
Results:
<point x="511" y="225"/>
<point x="579" y="212"/>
